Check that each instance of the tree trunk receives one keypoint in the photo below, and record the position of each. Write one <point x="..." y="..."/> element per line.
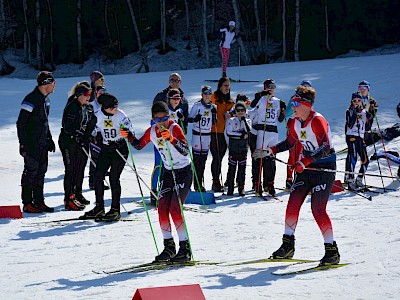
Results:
<point x="2" y="24"/>
<point x="38" y="37"/>
<point x="27" y="37"/>
<point x="297" y="36"/>
<point x="327" y="29"/>
<point x="204" y="11"/>
<point x="5" y="68"/>
<point x="258" y="25"/>
<point x="212" y="22"/>
<point x="187" y="35"/>
<point x="106" y="23"/>
<point x="244" y="52"/>
<point x="163" y="27"/>
<point x="142" y="51"/>
<point x="266" y="30"/>
<point x="283" y="30"/>
<point x="51" y="35"/>
<point x="118" y="41"/>
<point x="79" y="29"/>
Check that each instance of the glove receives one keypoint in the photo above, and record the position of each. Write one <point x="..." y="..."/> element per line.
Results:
<point x="265" y="93"/>
<point x="197" y="118"/>
<point x="243" y="119"/>
<point x="51" y="147"/>
<point x="283" y="105"/>
<point x="298" y="167"/>
<point x="214" y="110"/>
<point x="126" y="134"/>
<point x="166" y="135"/>
<point x="82" y="142"/>
<point x="180" y="115"/>
<point x="261" y="153"/>
<point x="22" y="150"/>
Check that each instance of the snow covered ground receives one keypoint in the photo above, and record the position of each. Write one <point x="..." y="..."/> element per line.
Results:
<point x="56" y="261"/>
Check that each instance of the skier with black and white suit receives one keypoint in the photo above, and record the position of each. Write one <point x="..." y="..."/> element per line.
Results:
<point x="110" y="119"/>
<point x="170" y="142"/>
<point x="267" y="112"/>
<point x="203" y="115"/>
<point x="313" y="131"/>
<point x="356" y="119"/>
<point x="237" y="130"/>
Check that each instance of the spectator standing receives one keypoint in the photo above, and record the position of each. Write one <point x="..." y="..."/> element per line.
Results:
<point x="35" y="141"/>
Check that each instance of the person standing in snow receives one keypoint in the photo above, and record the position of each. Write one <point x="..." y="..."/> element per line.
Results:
<point x="237" y="130"/>
<point x="356" y="119"/>
<point x="35" y="141"/>
<point x="203" y="115"/>
<point x="222" y="99"/>
<point x="228" y="37"/>
<point x="110" y="119"/>
<point x="175" y="111"/>
<point x="313" y="131"/>
<point x="170" y="142"/>
<point x="267" y="112"/>
<point x="371" y="106"/>
<point x="78" y="123"/>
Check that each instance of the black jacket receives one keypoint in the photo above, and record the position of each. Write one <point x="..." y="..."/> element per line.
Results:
<point x="78" y="122"/>
<point x="33" y="123"/>
<point x="162" y="96"/>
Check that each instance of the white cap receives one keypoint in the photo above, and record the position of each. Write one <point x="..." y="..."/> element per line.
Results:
<point x="232" y="23"/>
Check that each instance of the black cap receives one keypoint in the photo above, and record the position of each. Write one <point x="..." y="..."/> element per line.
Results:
<point x="240" y="104"/>
<point x="270" y="83"/>
<point x="107" y="100"/>
<point x="356" y="95"/>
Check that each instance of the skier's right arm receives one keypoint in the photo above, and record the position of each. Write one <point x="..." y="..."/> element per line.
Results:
<point x="143" y="141"/>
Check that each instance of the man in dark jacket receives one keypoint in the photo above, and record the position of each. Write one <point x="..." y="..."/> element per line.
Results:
<point x="35" y="141"/>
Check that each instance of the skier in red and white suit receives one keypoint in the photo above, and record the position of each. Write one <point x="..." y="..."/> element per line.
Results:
<point x="176" y="178"/>
<point x="313" y="132"/>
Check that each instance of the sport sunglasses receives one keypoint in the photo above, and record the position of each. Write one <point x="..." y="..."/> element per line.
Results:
<point x="163" y="119"/>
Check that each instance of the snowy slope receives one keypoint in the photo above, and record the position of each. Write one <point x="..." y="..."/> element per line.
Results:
<point x="56" y="262"/>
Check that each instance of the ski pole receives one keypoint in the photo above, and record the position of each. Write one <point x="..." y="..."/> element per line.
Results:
<point x="357" y="193"/>
<point x="383" y="144"/>
<point x="334" y="171"/>
<point x="177" y="192"/>
<point x="94" y="164"/>
<point x="138" y="177"/>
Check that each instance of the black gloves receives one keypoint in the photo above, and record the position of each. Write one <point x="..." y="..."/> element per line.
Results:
<point x="22" y="150"/>
<point x="214" y="110"/>
<point x="51" y="147"/>
<point x="265" y="93"/>
<point x="180" y="115"/>
<point x="243" y="119"/>
<point x="282" y="105"/>
<point x="197" y="118"/>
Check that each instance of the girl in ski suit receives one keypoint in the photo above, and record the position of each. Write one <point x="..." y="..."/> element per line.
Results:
<point x="312" y="130"/>
<point x="170" y="141"/>
<point x="203" y="115"/>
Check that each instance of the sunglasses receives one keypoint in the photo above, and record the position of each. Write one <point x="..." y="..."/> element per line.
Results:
<point x="271" y="86"/>
<point x="87" y="94"/>
<point x="175" y="98"/>
<point x="362" y="87"/>
<point x="175" y="80"/>
<point x="296" y="100"/>
<point x="240" y="110"/>
<point x="207" y="92"/>
<point x="356" y="100"/>
<point x="163" y="119"/>
<point x="48" y="81"/>
<point x="101" y="79"/>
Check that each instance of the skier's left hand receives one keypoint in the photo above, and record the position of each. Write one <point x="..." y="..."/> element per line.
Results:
<point x="180" y="115"/>
<point x="51" y="147"/>
<point x="166" y="135"/>
<point x="298" y="167"/>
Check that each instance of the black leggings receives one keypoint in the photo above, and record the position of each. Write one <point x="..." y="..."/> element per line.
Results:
<point x="218" y="149"/>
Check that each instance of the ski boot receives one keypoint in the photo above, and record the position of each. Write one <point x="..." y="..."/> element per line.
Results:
<point x="271" y="189"/>
<point x="216" y="186"/>
<point x="95" y="213"/>
<point x="71" y="203"/>
<point x="241" y="191"/>
<point x="357" y="185"/>
<point x="168" y="252"/>
<point x="32" y="209"/>
<point x="348" y="178"/>
<point x="287" y="248"/>
<point x="81" y="198"/>
<point x="332" y="256"/>
<point x="184" y="254"/>
<point x="111" y="216"/>
<point x="44" y="207"/>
